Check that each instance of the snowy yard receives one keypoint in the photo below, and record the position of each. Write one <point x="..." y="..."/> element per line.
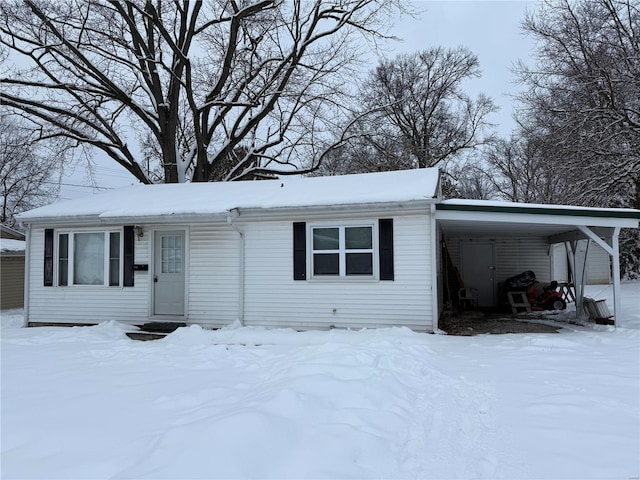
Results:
<point x="89" y="403"/>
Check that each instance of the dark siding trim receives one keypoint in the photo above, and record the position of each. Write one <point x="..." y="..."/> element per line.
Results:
<point x="299" y="251"/>
<point x="48" y="257"/>
<point x="129" y="247"/>
<point x="385" y="246"/>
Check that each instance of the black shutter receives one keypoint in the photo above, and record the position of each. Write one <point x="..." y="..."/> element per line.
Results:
<point x="48" y="257"/>
<point x="129" y="245"/>
<point x="385" y="245"/>
<point x="299" y="251"/>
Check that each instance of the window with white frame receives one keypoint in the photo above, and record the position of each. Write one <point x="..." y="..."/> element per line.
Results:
<point x="89" y="258"/>
<point x="342" y="251"/>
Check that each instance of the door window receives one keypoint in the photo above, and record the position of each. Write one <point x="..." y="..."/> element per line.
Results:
<point x="171" y="251"/>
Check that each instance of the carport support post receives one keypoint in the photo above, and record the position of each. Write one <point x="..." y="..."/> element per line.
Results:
<point x="613" y="249"/>
<point x="616" y="275"/>
<point x="577" y="250"/>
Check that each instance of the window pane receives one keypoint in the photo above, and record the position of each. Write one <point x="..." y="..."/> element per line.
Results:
<point x="114" y="259"/>
<point x="359" y="264"/>
<point x="171" y="254"/>
<point x="63" y="260"/>
<point x="326" y="239"/>
<point x="326" y="264"/>
<point x="88" y="259"/>
<point x="358" y="237"/>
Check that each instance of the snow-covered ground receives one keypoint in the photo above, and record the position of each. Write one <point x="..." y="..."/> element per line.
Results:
<point x="89" y="403"/>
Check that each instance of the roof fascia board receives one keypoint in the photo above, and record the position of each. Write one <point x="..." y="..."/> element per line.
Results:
<point x="165" y="219"/>
<point x="65" y="220"/>
<point x="15" y="234"/>
<point x="529" y="217"/>
<point x="333" y="210"/>
<point x="95" y="220"/>
<point x="568" y="211"/>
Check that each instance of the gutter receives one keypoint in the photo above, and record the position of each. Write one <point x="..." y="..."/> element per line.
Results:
<point x="331" y="210"/>
<point x="435" y="311"/>
<point x="83" y="220"/>
<point x="234" y="212"/>
<point x="27" y="275"/>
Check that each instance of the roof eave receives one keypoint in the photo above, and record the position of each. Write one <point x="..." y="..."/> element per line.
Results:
<point x="246" y="213"/>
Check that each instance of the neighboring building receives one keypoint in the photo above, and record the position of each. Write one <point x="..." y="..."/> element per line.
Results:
<point x="597" y="271"/>
<point x="347" y="251"/>
<point x="12" y="252"/>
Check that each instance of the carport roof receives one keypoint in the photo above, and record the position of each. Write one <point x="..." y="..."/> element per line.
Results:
<point x="490" y="219"/>
<point x="536" y="209"/>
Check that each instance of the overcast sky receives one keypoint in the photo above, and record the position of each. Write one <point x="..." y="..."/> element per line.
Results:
<point x="490" y="29"/>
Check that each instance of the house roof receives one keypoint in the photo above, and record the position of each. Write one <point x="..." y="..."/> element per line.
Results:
<point x="8" y="232"/>
<point x="12" y="246"/>
<point x="220" y="198"/>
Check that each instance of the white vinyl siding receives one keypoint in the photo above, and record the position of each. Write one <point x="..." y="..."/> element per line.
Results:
<point x="273" y="298"/>
<point x="89" y="304"/>
<point x="214" y="279"/>
<point x="11" y="281"/>
<point x="598" y="264"/>
<point x="512" y="256"/>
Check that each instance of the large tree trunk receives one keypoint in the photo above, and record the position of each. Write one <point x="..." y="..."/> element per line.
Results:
<point x="267" y="76"/>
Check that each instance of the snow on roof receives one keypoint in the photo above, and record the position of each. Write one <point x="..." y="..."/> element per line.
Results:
<point x="11" y="245"/>
<point x="221" y="197"/>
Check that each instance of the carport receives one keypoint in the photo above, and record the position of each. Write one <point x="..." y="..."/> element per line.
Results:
<point x="489" y="241"/>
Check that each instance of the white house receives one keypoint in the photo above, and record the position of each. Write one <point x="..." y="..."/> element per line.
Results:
<point x="348" y="251"/>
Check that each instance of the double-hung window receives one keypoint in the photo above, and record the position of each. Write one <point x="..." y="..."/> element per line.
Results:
<point x="90" y="258"/>
<point x="343" y="251"/>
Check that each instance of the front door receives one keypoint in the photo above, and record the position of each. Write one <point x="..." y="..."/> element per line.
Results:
<point x="169" y="263"/>
<point x="478" y="271"/>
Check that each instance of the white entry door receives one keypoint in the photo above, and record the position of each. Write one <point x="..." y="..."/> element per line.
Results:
<point x="478" y="271"/>
<point x="169" y="267"/>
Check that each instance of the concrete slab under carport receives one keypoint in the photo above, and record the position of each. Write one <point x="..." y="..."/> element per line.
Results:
<point x="573" y="226"/>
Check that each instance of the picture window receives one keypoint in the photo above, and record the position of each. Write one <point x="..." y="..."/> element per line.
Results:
<point x="89" y="258"/>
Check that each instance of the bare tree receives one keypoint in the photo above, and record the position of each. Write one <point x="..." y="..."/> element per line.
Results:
<point x="583" y="104"/>
<point x="520" y="171"/>
<point x="27" y="172"/>
<point x="583" y="99"/>
<point x="188" y="84"/>
<point x="419" y="116"/>
<point x="471" y="180"/>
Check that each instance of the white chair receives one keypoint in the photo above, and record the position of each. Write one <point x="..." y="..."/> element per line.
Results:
<point x="468" y="298"/>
